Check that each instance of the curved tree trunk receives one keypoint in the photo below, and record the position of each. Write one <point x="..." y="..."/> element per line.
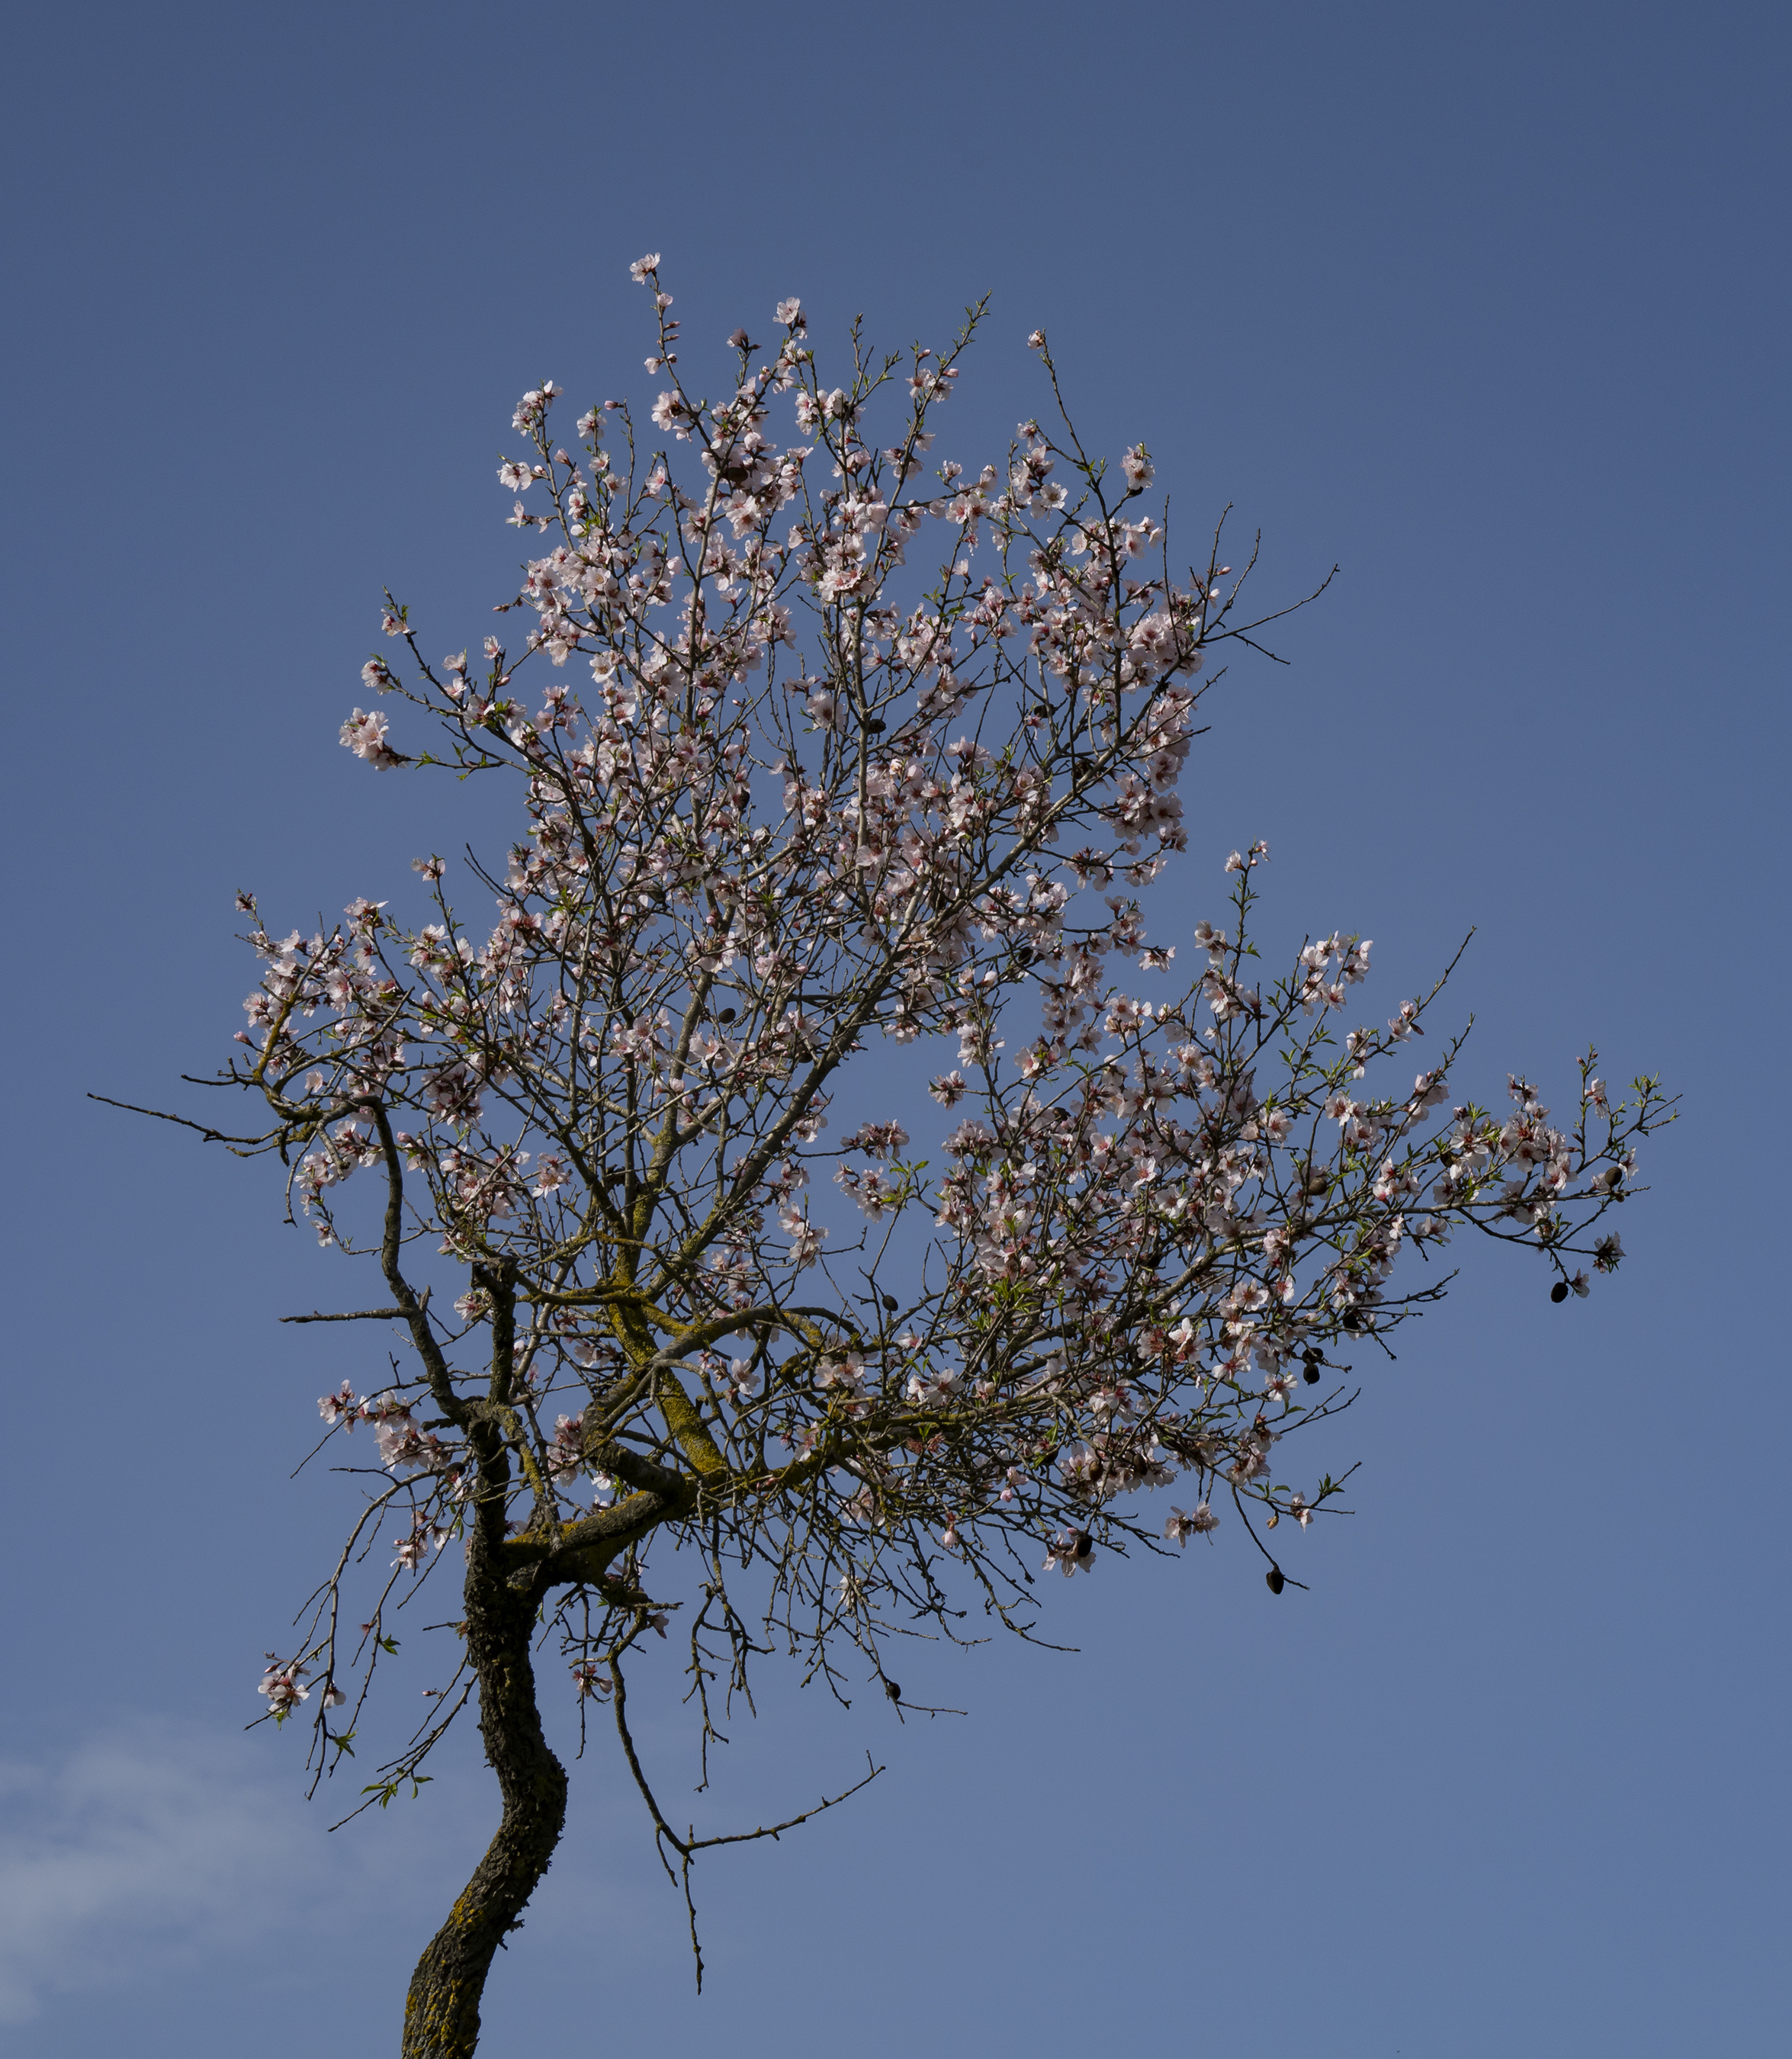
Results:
<point x="441" y="2012"/>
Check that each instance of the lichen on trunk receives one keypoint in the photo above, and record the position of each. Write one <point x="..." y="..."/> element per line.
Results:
<point x="442" y="2009"/>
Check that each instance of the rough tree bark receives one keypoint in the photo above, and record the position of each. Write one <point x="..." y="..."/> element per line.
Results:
<point x="441" y="2011"/>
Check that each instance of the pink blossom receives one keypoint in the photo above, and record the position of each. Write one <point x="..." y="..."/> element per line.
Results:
<point x="1072" y="1551"/>
<point x="341" y="1406"/>
<point x="284" y="1686"/>
<point x="1199" y="1520"/>
<point x="365" y="735"/>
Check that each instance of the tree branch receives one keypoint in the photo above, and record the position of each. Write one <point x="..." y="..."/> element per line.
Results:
<point x="363" y="1315"/>
<point x="688" y="1846"/>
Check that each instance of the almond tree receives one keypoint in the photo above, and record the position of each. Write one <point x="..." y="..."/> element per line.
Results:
<point x="781" y="799"/>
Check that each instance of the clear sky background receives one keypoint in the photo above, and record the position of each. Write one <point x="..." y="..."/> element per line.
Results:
<point x="1488" y="304"/>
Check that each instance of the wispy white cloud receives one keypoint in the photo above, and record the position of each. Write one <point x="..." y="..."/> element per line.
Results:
<point x="147" y="1852"/>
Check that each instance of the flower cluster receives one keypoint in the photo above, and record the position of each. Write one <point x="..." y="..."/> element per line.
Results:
<point x="403" y="1446"/>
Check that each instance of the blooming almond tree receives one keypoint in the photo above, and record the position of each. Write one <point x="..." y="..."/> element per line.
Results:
<point x="783" y="802"/>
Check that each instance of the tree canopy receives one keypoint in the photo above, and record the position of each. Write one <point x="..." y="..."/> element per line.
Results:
<point x="709" y="1329"/>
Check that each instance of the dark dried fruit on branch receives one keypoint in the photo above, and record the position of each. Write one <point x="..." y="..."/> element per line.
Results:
<point x="1273" y="1580"/>
<point x="1560" y="1291"/>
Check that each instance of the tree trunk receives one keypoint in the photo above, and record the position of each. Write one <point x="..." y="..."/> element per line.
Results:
<point x="441" y="2012"/>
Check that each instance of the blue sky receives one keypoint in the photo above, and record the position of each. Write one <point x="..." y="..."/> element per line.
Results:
<point x="1487" y="305"/>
